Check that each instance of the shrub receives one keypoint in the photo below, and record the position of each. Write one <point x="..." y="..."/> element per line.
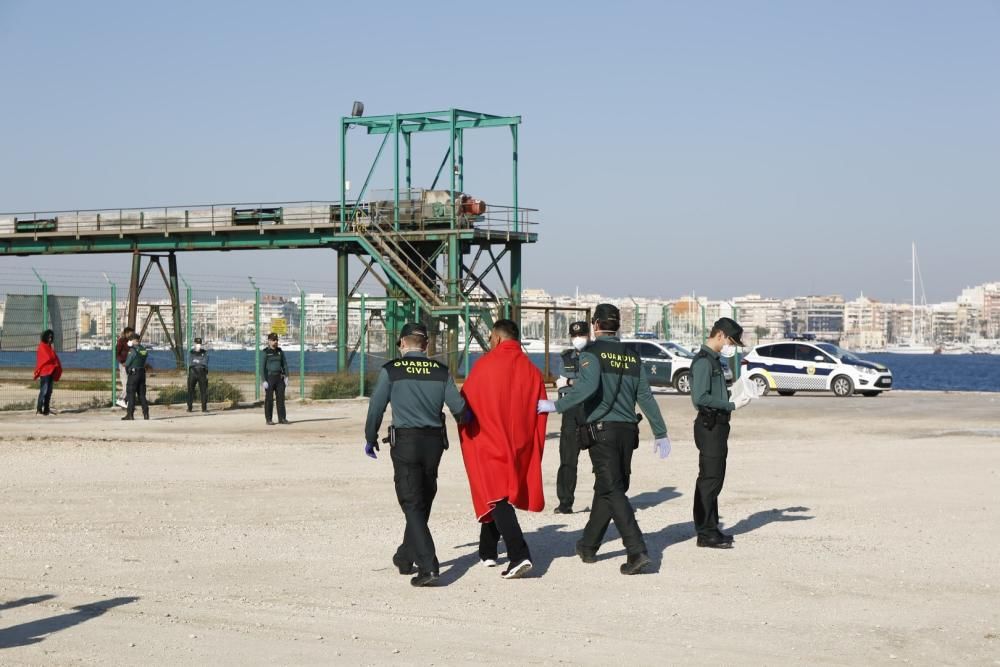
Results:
<point x="218" y="391"/>
<point x="19" y="405"/>
<point x="341" y="385"/>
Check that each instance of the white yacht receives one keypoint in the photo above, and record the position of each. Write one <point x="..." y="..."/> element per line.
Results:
<point x="916" y="344"/>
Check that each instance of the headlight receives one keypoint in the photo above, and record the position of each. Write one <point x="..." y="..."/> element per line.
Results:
<point x="867" y="371"/>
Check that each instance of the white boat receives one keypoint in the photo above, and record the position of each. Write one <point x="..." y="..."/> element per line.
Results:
<point x="915" y="345"/>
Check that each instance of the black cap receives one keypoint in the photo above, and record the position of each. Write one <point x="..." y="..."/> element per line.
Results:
<point x="414" y="329"/>
<point x="272" y="336"/>
<point x="134" y="336"/>
<point x="605" y="312"/>
<point x="197" y="341"/>
<point x="579" y="329"/>
<point x="731" y="328"/>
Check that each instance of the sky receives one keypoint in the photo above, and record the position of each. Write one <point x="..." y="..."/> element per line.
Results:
<point x="671" y="148"/>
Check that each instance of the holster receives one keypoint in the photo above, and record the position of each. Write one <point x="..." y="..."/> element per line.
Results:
<point x="444" y="432"/>
<point x="584" y="437"/>
<point x="709" y="418"/>
<point x="391" y="438"/>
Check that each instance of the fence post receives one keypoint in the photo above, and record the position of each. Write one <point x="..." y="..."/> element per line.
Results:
<point x="188" y="324"/>
<point x="45" y="300"/>
<point x="302" y="341"/>
<point x="364" y="347"/>
<point x="736" y="368"/>
<point x="113" y="339"/>
<point x="468" y="341"/>
<point x="256" y="333"/>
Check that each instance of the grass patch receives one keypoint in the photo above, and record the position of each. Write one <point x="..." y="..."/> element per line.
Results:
<point x="341" y="385"/>
<point x="79" y="385"/>
<point x="19" y="405"/>
<point x="219" y="391"/>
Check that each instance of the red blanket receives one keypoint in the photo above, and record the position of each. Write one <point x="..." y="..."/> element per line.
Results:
<point x="47" y="362"/>
<point x="502" y="448"/>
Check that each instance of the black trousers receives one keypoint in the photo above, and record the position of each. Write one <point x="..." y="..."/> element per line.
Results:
<point x="275" y="393"/>
<point x="198" y="379"/>
<point x="713" y="448"/>
<point x="135" y="390"/>
<point x="415" y="460"/>
<point x="45" y="383"/>
<point x="506" y="525"/>
<point x="569" y="455"/>
<point x="611" y="455"/>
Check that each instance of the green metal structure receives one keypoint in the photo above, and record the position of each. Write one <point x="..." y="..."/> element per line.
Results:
<point x="437" y="252"/>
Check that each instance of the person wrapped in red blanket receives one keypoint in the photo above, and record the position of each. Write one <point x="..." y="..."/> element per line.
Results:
<point x="48" y="370"/>
<point x="502" y="446"/>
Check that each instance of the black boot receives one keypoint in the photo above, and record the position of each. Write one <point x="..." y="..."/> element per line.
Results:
<point x="635" y="563"/>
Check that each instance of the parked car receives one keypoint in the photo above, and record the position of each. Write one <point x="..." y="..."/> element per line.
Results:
<point x="789" y="367"/>
<point x="667" y="364"/>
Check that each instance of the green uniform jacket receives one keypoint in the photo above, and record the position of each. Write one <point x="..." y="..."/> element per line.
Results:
<point x="418" y="389"/>
<point x="273" y="362"/>
<point x="708" y="384"/>
<point x="611" y="381"/>
<point x="136" y="358"/>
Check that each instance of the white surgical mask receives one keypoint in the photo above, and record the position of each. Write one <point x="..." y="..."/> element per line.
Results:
<point x="197" y="347"/>
<point x="579" y="342"/>
<point x="728" y="351"/>
<point x="131" y="343"/>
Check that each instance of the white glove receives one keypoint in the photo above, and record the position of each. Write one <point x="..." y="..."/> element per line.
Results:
<point x="561" y="382"/>
<point x="742" y="402"/>
<point x="286" y="380"/>
<point x="545" y="406"/>
<point x="661" y="446"/>
<point x="263" y="386"/>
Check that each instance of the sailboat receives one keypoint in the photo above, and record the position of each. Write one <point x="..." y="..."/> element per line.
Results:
<point x="915" y="345"/>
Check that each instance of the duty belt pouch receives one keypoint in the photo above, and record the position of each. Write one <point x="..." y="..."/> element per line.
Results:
<point x="584" y="438"/>
<point x="708" y="418"/>
<point x="392" y="437"/>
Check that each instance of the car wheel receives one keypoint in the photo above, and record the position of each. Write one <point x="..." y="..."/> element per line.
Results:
<point x="842" y="386"/>
<point x="682" y="382"/>
<point x="762" y="385"/>
<point x="786" y="392"/>
<point x="870" y="393"/>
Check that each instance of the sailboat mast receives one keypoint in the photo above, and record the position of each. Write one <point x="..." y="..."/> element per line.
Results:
<point x="913" y="286"/>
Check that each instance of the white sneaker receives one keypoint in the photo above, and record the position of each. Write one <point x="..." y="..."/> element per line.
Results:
<point x="488" y="562"/>
<point x="517" y="571"/>
<point x="121" y="404"/>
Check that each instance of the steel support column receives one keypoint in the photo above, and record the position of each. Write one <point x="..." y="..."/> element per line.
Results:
<point x="342" y="287"/>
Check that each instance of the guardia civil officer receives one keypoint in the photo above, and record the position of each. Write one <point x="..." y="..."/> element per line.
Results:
<point x="418" y="388"/>
<point x="610" y="383"/>
<point x="572" y="419"/>
<point x="274" y="370"/>
<point x="135" y="385"/>
<point x="198" y="375"/>
<point x="711" y="428"/>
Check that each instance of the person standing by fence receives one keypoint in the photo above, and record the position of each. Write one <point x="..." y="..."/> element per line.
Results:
<point x="135" y="388"/>
<point x="198" y="375"/>
<point x="274" y="370"/>
<point x="48" y="370"/>
<point x="121" y="354"/>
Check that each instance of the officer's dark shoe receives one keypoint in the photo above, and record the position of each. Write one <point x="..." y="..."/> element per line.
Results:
<point x="284" y="421"/>
<point x="204" y="409"/>
<point x="517" y="571"/>
<point x="563" y="509"/>
<point x="585" y="555"/>
<point x="270" y="423"/>
<point x="404" y="566"/>
<point x="189" y="408"/>
<point x="425" y="579"/>
<point x="128" y="418"/>
<point x="635" y="563"/>
<point x="715" y="541"/>
<point x="726" y="538"/>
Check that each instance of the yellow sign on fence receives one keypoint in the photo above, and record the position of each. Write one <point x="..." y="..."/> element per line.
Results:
<point x="279" y="325"/>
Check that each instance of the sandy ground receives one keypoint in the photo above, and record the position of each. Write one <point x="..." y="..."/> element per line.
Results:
<point x="866" y="532"/>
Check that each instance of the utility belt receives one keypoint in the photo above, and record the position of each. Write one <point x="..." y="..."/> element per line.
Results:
<point x="198" y="370"/>
<point x="422" y="431"/>
<point x="133" y="371"/>
<point x="711" y="417"/>
<point x="588" y="434"/>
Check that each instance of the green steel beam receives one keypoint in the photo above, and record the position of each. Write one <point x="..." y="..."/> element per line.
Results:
<point x="444" y="125"/>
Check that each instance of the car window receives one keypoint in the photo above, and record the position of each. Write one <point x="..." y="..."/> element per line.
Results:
<point x="809" y="353"/>
<point x="649" y="351"/>
<point x="783" y="351"/>
<point x="765" y="351"/>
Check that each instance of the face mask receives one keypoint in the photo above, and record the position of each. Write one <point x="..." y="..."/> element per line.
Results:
<point x="197" y="347"/>
<point x="131" y="343"/>
<point x="728" y="351"/>
<point x="579" y="343"/>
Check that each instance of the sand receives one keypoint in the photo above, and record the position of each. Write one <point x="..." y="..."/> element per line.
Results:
<point x="866" y="532"/>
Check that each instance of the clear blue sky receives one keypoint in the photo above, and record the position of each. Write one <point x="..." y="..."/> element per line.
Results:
<point x="806" y="142"/>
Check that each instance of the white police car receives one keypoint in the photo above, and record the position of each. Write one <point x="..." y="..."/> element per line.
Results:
<point x="789" y="367"/>
<point x="667" y="363"/>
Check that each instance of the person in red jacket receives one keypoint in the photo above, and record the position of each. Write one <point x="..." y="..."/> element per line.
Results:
<point x="48" y="370"/>
<point x="121" y="353"/>
<point x="502" y="446"/>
